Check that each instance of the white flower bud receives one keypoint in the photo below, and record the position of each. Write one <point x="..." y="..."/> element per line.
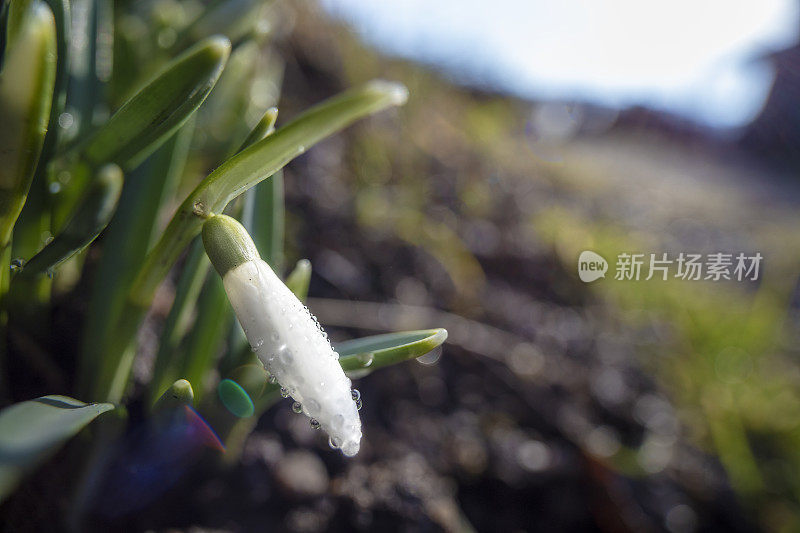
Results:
<point x="290" y="342"/>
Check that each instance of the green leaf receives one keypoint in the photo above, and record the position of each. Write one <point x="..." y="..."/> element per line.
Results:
<point x="299" y="279"/>
<point x="232" y="18"/>
<point x="17" y="14"/>
<point x="264" y="216"/>
<point x="203" y="344"/>
<point x="383" y="350"/>
<point x="251" y="166"/>
<point x="132" y="230"/>
<point x="32" y="431"/>
<point x="264" y="128"/>
<point x="192" y="277"/>
<point x="89" y="64"/>
<point x="90" y="218"/>
<point x="26" y="91"/>
<point x="35" y="219"/>
<point x="262" y="159"/>
<point x="145" y="121"/>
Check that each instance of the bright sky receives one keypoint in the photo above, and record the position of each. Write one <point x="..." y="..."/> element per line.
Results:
<point x="691" y="57"/>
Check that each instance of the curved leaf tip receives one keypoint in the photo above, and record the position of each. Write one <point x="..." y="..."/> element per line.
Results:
<point x="32" y="431"/>
<point x="378" y="351"/>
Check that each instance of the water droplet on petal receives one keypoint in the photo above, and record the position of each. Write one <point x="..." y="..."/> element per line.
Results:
<point x="284" y="392"/>
<point x="355" y="394"/>
<point x="314" y="423"/>
<point x="272" y="379"/>
<point x="334" y="443"/>
<point x="297" y="407"/>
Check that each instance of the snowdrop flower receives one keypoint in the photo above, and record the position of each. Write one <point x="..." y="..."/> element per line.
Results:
<point x="283" y="333"/>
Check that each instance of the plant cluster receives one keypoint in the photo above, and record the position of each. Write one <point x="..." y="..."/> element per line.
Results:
<point x="187" y="85"/>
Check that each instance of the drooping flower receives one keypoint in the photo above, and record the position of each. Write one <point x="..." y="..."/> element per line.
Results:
<point x="283" y="333"/>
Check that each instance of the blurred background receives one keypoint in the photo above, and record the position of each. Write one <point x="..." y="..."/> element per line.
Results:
<point x="534" y="130"/>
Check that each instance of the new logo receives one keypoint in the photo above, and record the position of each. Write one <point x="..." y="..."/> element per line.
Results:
<point x="591" y="266"/>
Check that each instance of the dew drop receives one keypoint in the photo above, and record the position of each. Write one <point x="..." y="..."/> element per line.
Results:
<point x="432" y="357"/>
<point x="314" y="423"/>
<point x="334" y="443"/>
<point x="284" y="392"/>
<point x="357" y="398"/>
<point x="258" y="344"/>
<point x="272" y="379"/>
<point x="366" y="359"/>
<point x="286" y="358"/>
<point x="297" y="407"/>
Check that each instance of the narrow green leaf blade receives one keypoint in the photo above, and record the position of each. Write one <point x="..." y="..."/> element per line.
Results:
<point x="255" y="164"/>
<point x="26" y="91"/>
<point x="131" y="231"/>
<point x="232" y="18"/>
<point x="378" y="351"/>
<point x="32" y="431"/>
<point x="193" y="275"/>
<point x="17" y="16"/>
<point x="299" y="279"/>
<point x="204" y="342"/>
<point x="145" y="121"/>
<point x="90" y="218"/>
<point x="265" y="127"/>
<point x="262" y="159"/>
